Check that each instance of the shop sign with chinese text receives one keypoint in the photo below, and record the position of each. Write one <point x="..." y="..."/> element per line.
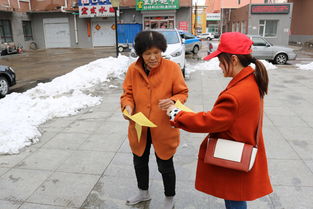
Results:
<point x="213" y="16"/>
<point x="157" y="4"/>
<point x="95" y="8"/>
<point x="270" y="9"/>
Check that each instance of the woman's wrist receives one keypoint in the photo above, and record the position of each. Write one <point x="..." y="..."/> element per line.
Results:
<point x="172" y="112"/>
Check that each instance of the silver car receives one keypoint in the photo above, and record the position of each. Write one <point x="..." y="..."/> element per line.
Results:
<point x="263" y="49"/>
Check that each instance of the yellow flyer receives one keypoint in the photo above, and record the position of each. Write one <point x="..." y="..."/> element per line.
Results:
<point x="141" y="120"/>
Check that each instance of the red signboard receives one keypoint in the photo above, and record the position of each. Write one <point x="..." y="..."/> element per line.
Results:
<point x="270" y="9"/>
<point x="183" y="25"/>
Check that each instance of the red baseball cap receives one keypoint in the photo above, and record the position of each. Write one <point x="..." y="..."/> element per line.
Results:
<point x="233" y="43"/>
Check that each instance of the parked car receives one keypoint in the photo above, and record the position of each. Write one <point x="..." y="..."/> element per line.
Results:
<point x="192" y="43"/>
<point x="263" y="49"/>
<point x="175" y="48"/>
<point x="208" y="36"/>
<point x="7" y="79"/>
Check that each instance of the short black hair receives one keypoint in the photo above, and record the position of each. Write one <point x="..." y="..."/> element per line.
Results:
<point x="147" y="39"/>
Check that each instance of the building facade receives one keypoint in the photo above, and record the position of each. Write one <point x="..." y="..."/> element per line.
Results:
<point x="85" y="23"/>
<point x="268" y="18"/>
<point x="14" y="22"/>
<point x="271" y="21"/>
<point x="301" y="23"/>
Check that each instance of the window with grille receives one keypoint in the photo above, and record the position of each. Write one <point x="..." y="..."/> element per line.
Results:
<point x="5" y="31"/>
<point x="27" y="28"/>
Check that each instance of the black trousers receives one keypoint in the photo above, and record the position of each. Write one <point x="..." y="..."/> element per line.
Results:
<point x="165" y="167"/>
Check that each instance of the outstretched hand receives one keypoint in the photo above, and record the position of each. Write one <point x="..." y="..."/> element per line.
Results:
<point x="164" y="104"/>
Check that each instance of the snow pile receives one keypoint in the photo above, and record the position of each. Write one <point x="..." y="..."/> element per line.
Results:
<point x="268" y="65"/>
<point x="22" y="113"/>
<point x="213" y="64"/>
<point x="305" y="67"/>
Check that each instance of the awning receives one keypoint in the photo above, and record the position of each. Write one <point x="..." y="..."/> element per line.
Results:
<point x="52" y="11"/>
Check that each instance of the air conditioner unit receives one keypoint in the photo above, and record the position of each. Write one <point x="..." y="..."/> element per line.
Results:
<point x="74" y="4"/>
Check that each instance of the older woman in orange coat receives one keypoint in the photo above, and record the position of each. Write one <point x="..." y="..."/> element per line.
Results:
<point x="235" y="116"/>
<point x="151" y="85"/>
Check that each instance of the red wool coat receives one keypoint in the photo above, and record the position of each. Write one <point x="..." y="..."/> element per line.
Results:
<point x="143" y="93"/>
<point x="235" y="115"/>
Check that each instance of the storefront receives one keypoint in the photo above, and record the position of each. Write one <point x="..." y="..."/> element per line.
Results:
<point x="159" y="14"/>
<point x="213" y="21"/>
<point x="91" y="23"/>
<point x="102" y="26"/>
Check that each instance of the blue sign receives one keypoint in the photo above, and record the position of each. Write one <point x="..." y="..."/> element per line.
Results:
<point x="93" y="2"/>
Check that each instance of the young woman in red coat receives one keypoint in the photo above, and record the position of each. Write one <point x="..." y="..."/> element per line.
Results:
<point x="235" y="115"/>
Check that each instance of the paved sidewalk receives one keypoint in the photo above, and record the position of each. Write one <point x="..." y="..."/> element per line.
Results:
<point x="84" y="161"/>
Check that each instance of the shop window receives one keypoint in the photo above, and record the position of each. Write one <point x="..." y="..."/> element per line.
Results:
<point x="159" y="22"/>
<point x="5" y="31"/>
<point x="268" y="28"/>
<point x="27" y="28"/>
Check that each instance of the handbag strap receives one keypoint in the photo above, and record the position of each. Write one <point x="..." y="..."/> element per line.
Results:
<point x="258" y="128"/>
<point x="259" y="124"/>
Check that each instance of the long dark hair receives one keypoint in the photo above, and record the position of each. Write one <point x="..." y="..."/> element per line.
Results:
<point x="260" y="72"/>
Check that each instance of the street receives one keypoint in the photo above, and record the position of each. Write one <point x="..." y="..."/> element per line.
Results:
<point x="38" y="66"/>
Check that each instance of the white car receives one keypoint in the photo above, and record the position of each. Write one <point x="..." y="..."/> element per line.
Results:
<point x="208" y="36"/>
<point x="175" y="48"/>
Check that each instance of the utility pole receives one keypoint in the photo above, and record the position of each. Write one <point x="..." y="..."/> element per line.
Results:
<point x="222" y="19"/>
<point x="196" y="18"/>
<point x="116" y="34"/>
<point x="115" y="4"/>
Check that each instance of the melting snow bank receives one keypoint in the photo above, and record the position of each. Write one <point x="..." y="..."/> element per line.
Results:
<point x="213" y="64"/>
<point x="305" y="67"/>
<point x="268" y="65"/>
<point x="22" y="113"/>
